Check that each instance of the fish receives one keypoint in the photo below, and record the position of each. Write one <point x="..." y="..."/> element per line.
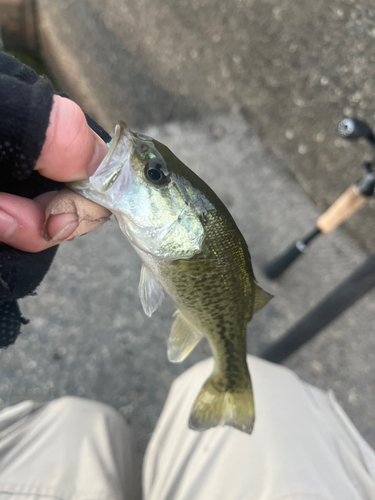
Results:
<point x="191" y="249"/>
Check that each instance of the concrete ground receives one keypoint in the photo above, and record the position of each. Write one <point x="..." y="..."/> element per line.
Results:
<point x="248" y="96"/>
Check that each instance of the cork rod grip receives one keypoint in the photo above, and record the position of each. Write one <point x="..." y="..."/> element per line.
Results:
<point x="348" y="203"/>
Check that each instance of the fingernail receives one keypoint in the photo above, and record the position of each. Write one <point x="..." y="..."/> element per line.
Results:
<point x="8" y="225"/>
<point x="59" y="227"/>
<point x="100" y="151"/>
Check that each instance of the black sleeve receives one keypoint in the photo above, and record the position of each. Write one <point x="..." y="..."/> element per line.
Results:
<point x="26" y="102"/>
<point x="10" y="66"/>
<point x="25" y="106"/>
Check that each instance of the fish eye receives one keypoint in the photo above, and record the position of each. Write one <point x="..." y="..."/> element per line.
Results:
<point x="156" y="172"/>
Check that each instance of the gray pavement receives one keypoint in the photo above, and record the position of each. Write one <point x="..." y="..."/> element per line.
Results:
<point x="88" y="335"/>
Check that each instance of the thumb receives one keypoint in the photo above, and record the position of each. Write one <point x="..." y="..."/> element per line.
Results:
<point x="72" y="151"/>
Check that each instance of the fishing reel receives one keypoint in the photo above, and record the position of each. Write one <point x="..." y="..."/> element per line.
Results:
<point x="349" y="202"/>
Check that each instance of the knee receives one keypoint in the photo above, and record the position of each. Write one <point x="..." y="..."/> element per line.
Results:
<point x="85" y="409"/>
<point x="74" y="404"/>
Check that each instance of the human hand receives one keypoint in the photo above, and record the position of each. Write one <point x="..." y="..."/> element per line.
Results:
<point x="71" y="151"/>
<point x="44" y="141"/>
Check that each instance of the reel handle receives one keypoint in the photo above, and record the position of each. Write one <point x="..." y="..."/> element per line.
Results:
<point x="349" y="202"/>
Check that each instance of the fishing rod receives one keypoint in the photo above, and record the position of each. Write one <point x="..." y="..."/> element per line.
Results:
<point x="355" y="286"/>
<point x="350" y="201"/>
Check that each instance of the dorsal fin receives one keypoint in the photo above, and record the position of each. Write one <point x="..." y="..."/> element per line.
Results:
<point x="182" y="340"/>
<point x="261" y="298"/>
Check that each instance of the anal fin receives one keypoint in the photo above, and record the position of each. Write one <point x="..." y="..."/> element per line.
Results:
<point x="182" y="340"/>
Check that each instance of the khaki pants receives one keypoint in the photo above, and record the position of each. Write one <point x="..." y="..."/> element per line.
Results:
<point x="303" y="447"/>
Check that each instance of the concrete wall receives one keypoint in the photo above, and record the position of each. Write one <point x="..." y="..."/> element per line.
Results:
<point x="17" y="21"/>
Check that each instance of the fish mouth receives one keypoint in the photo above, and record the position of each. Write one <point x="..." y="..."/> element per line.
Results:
<point x="114" y="176"/>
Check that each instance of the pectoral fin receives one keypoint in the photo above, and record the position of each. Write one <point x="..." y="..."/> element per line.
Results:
<point x="150" y="291"/>
<point x="182" y="340"/>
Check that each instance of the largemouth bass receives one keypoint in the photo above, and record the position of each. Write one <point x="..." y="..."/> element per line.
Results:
<point x="190" y="248"/>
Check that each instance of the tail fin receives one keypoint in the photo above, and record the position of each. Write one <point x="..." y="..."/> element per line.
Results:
<point x="214" y="407"/>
